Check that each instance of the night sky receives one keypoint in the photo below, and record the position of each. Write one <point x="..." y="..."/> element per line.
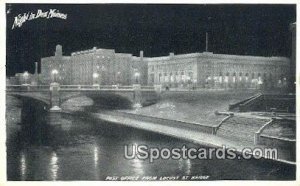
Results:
<point x="261" y="30"/>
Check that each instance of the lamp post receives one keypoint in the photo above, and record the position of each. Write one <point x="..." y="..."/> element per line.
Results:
<point x="119" y="78"/>
<point x="55" y="95"/>
<point x="95" y="79"/>
<point x="189" y="82"/>
<point x="25" y="76"/>
<point x="137" y="89"/>
<point x="194" y="84"/>
<point x="136" y="76"/>
<point x="100" y="77"/>
<point x="54" y="75"/>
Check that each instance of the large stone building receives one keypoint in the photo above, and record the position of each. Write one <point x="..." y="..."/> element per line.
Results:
<point x="56" y="64"/>
<point x="25" y="78"/>
<point x="218" y="71"/>
<point x="204" y="70"/>
<point x="94" y="66"/>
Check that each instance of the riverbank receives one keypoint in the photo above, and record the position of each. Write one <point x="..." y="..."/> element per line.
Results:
<point x="178" y="115"/>
<point x="197" y="137"/>
<point x="193" y="106"/>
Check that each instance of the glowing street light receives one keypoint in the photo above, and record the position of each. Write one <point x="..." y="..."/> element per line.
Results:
<point x="54" y="74"/>
<point x="118" y="77"/>
<point x="102" y="70"/>
<point x="95" y="75"/>
<point x="136" y="76"/>
<point x="25" y="75"/>
<point x="95" y="78"/>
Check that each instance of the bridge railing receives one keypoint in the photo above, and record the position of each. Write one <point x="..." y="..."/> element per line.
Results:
<point x="124" y="87"/>
<point x="147" y="87"/>
<point x="93" y="87"/>
<point x="74" y="87"/>
<point x="22" y="88"/>
<point x="78" y="86"/>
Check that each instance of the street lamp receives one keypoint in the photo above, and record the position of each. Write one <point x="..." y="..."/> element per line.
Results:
<point x="195" y="83"/>
<point x="54" y="74"/>
<point x="25" y="75"/>
<point x="95" y="78"/>
<point x="118" y="77"/>
<point x="136" y="76"/>
<point x="95" y="75"/>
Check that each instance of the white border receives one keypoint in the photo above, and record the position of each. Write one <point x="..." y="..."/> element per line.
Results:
<point x="169" y="183"/>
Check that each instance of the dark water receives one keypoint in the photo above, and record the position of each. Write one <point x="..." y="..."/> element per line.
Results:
<point x="92" y="150"/>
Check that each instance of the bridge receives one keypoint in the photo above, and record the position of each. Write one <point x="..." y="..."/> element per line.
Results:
<point x="55" y="94"/>
<point x="46" y="100"/>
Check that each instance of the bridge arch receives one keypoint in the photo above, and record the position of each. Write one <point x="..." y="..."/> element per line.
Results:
<point x="34" y="111"/>
<point x="104" y="99"/>
<point x="41" y="99"/>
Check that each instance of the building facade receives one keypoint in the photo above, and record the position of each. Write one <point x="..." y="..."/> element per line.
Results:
<point x="204" y="70"/>
<point x="208" y="70"/>
<point x="25" y="78"/>
<point x="56" y="67"/>
<point x="94" y="66"/>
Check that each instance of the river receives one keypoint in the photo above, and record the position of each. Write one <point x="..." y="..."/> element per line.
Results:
<point x="87" y="149"/>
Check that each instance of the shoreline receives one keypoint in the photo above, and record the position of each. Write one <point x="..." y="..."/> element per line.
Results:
<point x="196" y="137"/>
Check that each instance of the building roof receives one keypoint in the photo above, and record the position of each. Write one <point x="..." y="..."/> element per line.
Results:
<point x="210" y="55"/>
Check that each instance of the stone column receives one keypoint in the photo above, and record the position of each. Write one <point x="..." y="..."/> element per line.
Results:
<point x="54" y="119"/>
<point x="54" y="115"/>
<point x="36" y="68"/>
<point x="137" y="96"/>
<point x="158" y="88"/>
<point x="55" y="97"/>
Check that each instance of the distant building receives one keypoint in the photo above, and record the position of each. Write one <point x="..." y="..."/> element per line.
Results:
<point x="58" y="62"/>
<point x="23" y="78"/>
<point x="100" y="66"/>
<point x="208" y="70"/>
<point x="205" y="70"/>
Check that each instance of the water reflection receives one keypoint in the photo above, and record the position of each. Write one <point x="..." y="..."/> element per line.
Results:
<point x="96" y="154"/>
<point x="138" y="166"/>
<point x="96" y="163"/>
<point x="187" y="170"/>
<point x="23" y="166"/>
<point x="93" y="151"/>
<point x="185" y="166"/>
<point x="53" y="166"/>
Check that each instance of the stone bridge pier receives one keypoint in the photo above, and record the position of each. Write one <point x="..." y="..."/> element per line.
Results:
<point x="137" y="96"/>
<point x="38" y="122"/>
<point x="54" y="115"/>
<point x="55" y="97"/>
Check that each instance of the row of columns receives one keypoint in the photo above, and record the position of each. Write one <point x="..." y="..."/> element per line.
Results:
<point x="227" y="81"/>
<point x="244" y="82"/>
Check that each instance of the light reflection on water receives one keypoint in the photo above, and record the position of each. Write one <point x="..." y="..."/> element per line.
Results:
<point x="96" y="156"/>
<point x="53" y="166"/>
<point x="91" y="152"/>
<point x="23" y="166"/>
<point x="188" y="167"/>
<point x="185" y="166"/>
<point x="137" y="166"/>
<point x="96" y="166"/>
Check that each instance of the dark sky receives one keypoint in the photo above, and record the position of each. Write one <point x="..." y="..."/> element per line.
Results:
<point x="261" y="30"/>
